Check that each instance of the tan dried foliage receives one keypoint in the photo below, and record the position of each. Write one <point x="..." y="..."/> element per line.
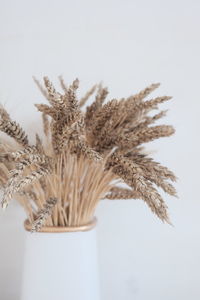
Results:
<point x="84" y="155"/>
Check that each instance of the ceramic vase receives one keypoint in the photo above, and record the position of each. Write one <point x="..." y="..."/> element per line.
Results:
<point x="61" y="263"/>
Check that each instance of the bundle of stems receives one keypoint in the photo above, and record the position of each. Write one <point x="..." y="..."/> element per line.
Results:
<point x="83" y="154"/>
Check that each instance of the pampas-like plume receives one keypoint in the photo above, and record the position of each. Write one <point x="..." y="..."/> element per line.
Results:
<point x="84" y="155"/>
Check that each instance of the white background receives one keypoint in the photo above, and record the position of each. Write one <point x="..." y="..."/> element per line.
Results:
<point x="128" y="45"/>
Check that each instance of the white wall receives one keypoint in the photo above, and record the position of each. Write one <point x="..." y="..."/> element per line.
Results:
<point x="128" y="44"/>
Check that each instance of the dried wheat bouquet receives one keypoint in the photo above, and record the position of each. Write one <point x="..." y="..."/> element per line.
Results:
<point x="83" y="155"/>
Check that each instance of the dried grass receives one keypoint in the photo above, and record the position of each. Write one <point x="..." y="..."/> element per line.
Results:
<point x="83" y="155"/>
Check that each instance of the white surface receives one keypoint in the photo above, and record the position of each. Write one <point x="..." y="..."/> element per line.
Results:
<point x="128" y="44"/>
<point x="61" y="266"/>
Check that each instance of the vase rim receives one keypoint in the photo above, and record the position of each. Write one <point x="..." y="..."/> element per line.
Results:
<point x="61" y="229"/>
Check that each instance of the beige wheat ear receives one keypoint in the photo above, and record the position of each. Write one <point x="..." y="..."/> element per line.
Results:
<point x="85" y="98"/>
<point x="14" y="130"/>
<point x="43" y="214"/>
<point x="3" y="113"/>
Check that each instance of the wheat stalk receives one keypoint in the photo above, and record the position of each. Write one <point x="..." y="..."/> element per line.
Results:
<point x="43" y="214"/>
<point x="84" y="155"/>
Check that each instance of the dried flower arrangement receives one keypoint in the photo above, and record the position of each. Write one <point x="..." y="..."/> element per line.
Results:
<point x="84" y="156"/>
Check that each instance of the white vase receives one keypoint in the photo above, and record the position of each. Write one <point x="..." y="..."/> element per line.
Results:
<point x="12" y="238"/>
<point x="61" y="265"/>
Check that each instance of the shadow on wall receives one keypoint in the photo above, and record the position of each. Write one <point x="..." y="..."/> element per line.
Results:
<point x="12" y="239"/>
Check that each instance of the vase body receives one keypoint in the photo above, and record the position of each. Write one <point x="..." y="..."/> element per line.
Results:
<point x="61" y="266"/>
